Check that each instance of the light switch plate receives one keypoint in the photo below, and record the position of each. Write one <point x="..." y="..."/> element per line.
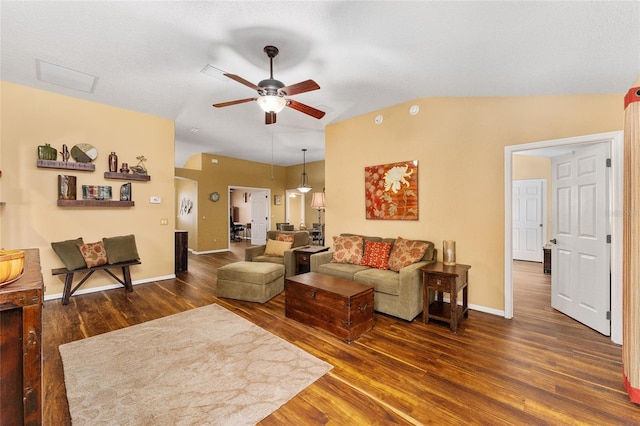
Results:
<point x="154" y="199"/>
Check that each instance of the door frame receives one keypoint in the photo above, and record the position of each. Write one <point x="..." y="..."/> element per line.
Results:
<point x="616" y="186"/>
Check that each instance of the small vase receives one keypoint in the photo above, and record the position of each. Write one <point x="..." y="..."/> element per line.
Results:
<point x="113" y="162"/>
<point x="124" y="168"/>
<point x="449" y="252"/>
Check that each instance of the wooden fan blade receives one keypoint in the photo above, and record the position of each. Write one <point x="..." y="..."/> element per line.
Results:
<point x="243" y="81"/>
<point x="239" y="101"/>
<point x="269" y="117"/>
<point x="303" y="86"/>
<point x="298" y="106"/>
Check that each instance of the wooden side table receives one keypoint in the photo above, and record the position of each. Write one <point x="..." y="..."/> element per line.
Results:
<point x="303" y="257"/>
<point x="445" y="279"/>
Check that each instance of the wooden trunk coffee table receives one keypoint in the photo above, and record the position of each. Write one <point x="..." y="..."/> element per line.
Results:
<point x="339" y="306"/>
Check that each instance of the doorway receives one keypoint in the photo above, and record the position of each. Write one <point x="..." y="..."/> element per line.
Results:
<point x="242" y="206"/>
<point x="553" y="148"/>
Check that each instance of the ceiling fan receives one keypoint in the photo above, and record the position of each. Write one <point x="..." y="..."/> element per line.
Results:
<point x="271" y="93"/>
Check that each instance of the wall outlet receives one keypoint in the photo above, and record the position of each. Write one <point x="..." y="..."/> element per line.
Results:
<point x="154" y="199"/>
<point x="164" y="221"/>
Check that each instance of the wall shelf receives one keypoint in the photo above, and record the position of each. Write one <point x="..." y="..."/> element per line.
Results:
<point x="95" y="203"/>
<point x="50" y="164"/>
<point x="126" y="176"/>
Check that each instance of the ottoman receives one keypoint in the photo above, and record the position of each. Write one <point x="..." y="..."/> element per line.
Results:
<point x="250" y="281"/>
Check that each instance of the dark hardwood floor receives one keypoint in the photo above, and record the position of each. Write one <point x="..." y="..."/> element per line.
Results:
<point x="539" y="368"/>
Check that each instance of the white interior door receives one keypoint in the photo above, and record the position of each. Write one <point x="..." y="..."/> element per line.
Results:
<point x="259" y="216"/>
<point x="580" y="281"/>
<point x="528" y="225"/>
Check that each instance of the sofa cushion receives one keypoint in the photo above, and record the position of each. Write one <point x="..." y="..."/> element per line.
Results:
<point x="376" y="254"/>
<point x="270" y="259"/>
<point x="94" y="254"/>
<point x="69" y="252"/>
<point x="347" y="249"/>
<point x="277" y="248"/>
<point x="387" y="282"/>
<point x="342" y="270"/>
<point x="406" y="252"/>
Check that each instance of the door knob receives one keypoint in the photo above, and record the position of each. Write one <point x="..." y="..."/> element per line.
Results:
<point x="554" y="241"/>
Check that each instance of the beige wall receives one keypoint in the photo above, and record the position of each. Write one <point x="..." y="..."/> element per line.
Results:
<point x="31" y="217"/>
<point x="213" y="218"/>
<point x="529" y="167"/>
<point x="186" y="208"/>
<point x="459" y="143"/>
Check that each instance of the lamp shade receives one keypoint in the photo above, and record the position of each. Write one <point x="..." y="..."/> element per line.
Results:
<point x="317" y="202"/>
<point x="270" y="103"/>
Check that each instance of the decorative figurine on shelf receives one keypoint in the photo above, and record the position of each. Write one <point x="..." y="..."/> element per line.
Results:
<point x="125" y="192"/>
<point x="113" y="162"/>
<point x="47" y="152"/>
<point x="139" y="168"/>
<point x="124" y="168"/>
<point x="65" y="153"/>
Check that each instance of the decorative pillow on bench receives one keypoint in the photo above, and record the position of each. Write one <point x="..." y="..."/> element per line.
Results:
<point x="94" y="254"/>
<point x="69" y="252"/>
<point x="121" y="249"/>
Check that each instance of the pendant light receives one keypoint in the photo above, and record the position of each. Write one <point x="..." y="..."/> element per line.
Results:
<point x="304" y="185"/>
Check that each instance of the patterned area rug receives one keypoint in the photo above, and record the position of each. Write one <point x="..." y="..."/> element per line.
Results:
<point x="206" y="366"/>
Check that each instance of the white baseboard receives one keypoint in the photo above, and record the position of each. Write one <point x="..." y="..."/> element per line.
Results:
<point x="110" y="287"/>
<point x="209" y="251"/>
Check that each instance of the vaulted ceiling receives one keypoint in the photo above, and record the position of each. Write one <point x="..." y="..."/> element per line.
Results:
<point x="148" y="57"/>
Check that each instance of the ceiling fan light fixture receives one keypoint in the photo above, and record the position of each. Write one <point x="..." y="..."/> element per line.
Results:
<point x="272" y="103"/>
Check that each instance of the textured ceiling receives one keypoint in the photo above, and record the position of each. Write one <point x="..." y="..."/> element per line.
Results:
<point x="364" y="55"/>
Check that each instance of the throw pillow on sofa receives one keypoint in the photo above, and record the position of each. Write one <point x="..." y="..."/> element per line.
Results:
<point x="347" y="249"/>
<point x="406" y="252"/>
<point x="287" y="238"/>
<point x="277" y="248"/>
<point x="376" y="254"/>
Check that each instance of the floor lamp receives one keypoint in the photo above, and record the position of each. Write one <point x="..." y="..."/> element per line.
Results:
<point x="317" y="202"/>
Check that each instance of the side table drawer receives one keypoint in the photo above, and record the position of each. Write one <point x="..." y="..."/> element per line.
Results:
<point x="438" y="282"/>
<point x="304" y="258"/>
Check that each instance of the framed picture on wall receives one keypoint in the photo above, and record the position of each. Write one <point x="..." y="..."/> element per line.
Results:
<point x="391" y="191"/>
<point x="277" y="200"/>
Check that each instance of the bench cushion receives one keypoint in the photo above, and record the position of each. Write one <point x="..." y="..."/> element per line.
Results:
<point x="121" y="249"/>
<point x="69" y="253"/>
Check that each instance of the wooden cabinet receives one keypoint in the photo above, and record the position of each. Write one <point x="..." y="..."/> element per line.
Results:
<point x="181" y="251"/>
<point x="21" y="346"/>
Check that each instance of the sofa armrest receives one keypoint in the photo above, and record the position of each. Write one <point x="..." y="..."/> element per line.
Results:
<point x="289" y="263"/>
<point x="320" y="259"/>
<point x="251" y="252"/>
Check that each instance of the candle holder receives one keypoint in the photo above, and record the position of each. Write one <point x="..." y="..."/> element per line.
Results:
<point x="449" y="252"/>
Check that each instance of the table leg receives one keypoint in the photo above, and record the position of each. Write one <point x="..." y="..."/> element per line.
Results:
<point x="453" y="299"/>
<point x="465" y="305"/>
